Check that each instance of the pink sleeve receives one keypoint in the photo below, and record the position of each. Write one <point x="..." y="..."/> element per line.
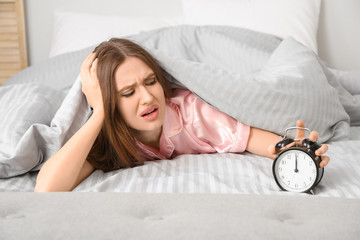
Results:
<point x="221" y="131"/>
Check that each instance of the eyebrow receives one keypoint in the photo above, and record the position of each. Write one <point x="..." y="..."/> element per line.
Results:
<point x="150" y="75"/>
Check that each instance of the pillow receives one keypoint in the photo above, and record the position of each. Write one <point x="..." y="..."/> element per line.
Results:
<point x="21" y="107"/>
<point x="74" y="31"/>
<point x="283" y="18"/>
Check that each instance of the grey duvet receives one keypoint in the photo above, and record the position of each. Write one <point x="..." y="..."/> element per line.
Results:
<point x="261" y="80"/>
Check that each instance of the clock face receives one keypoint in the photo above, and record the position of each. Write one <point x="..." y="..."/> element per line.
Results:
<point x="295" y="170"/>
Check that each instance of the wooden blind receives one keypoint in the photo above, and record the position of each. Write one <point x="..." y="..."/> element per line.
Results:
<point x="13" y="57"/>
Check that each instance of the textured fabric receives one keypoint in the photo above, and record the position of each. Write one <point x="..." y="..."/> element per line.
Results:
<point x="24" y="109"/>
<point x="232" y="72"/>
<point x="191" y="126"/>
<point x="176" y="216"/>
<point x="229" y="173"/>
<point x="348" y="87"/>
<point x="219" y="173"/>
<point x="57" y="73"/>
<point x="36" y="124"/>
<point x="256" y="78"/>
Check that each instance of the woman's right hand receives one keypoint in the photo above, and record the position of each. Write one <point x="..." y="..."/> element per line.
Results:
<point x="90" y="83"/>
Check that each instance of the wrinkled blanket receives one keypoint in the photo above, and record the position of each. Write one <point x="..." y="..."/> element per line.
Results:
<point x="259" y="79"/>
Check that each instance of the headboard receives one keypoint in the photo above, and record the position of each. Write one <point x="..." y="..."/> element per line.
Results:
<point x="338" y="34"/>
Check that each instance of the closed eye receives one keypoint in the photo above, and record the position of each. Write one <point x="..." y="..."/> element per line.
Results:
<point x="151" y="82"/>
<point x="128" y="94"/>
<point x="129" y="90"/>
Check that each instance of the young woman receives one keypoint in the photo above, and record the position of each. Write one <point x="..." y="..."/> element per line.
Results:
<point x="137" y="117"/>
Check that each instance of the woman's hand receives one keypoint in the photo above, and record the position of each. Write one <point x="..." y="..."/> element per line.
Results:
<point x="90" y="83"/>
<point x="313" y="136"/>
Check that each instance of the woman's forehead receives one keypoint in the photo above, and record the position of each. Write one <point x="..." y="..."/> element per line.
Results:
<point x="131" y="70"/>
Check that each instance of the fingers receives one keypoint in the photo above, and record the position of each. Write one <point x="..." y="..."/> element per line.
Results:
<point x="300" y="133"/>
<point x="88" y="70"/>
<point x="94" y="66"/>
<point x="324" y="161"/>
<point x="90" y="82"/>
<point x="89" y="60"/>
<point x="88" y="66"/>
<point x="300" y="123"/>
<point x="314" y="135"/>
<point x="322" y="150"/>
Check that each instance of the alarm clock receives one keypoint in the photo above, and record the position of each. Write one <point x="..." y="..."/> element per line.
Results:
<point x="296" y="168"/>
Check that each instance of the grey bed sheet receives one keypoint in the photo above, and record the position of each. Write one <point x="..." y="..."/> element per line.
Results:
<point x="217" y="174"/>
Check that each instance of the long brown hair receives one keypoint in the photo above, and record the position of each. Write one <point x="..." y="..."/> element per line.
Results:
<point x="115" y="146"/>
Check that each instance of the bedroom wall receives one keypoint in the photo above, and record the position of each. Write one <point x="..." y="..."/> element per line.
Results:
<point x="338" y="36"/>
<point x="339" y="33"/>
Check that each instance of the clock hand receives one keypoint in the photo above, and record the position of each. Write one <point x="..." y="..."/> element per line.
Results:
<point x="296" y="164"/>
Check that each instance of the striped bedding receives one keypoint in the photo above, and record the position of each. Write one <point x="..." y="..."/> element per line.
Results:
<point x="231" y="69"/>
<point x="217" y="173"/>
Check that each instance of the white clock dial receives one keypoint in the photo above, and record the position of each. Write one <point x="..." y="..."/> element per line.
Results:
<point x="295" y="171"/>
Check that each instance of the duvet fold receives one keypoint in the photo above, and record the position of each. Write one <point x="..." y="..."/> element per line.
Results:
<point x="257" y="78"/>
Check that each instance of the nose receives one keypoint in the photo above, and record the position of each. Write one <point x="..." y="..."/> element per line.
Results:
<point x="145" y="96"/>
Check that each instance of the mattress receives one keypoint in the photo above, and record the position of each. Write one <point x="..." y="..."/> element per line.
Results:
<point x="176" y="216"/>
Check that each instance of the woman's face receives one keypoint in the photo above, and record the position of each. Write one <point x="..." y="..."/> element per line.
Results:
<point x="141" y="99"/>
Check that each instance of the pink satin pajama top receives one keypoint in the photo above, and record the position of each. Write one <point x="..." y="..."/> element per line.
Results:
<point x="192" y="126"/>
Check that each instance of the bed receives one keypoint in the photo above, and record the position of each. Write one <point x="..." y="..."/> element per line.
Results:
<point x="207" y="196"/>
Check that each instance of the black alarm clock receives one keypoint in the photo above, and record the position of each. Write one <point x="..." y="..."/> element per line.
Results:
<point x="296" y="168"/>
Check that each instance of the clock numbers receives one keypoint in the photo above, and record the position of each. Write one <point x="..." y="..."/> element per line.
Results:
<point x="295" y="171"/>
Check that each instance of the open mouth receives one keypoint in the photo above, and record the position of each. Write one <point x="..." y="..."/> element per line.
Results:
<point x="148" y="112"/>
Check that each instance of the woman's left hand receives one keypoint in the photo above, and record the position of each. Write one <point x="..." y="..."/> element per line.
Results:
<point x="313" y="136"/>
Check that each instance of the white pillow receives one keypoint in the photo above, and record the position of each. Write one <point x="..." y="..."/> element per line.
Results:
<point x="283" y="18"/>
<point x="73" y="31"/>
